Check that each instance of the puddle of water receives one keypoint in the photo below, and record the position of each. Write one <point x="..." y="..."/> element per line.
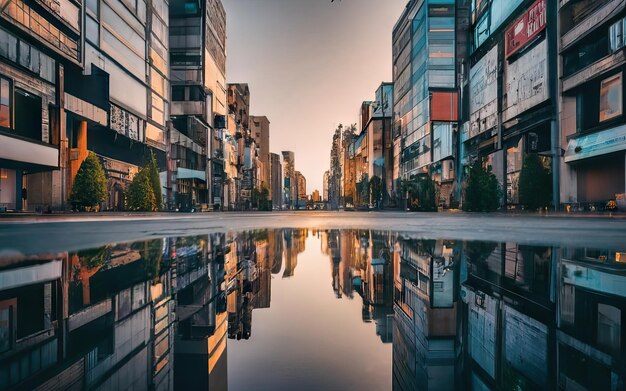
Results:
<point x="314" y="310"/>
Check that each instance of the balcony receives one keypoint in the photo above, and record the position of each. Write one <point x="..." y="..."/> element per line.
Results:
<point x="197" y="108"/>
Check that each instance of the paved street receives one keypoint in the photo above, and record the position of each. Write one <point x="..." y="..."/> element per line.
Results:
<point x="63" y="233"/>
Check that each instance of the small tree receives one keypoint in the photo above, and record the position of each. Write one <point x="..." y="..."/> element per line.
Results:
<point x="363" y="191"/>
<point x="140" y="195"/>
<point x="261" y="199"/>
<point x="155" y="181"/>
<point x="90" y="185"/>
<point x="422" y="193"/>
<point x="482" y="191"/>
<point x="376" y="190"/>
<point x="535" y="183"/>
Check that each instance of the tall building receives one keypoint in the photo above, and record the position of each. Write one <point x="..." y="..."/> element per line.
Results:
<point x="425" y="95"/>
<point x="325" y="186"/>
<point x="66" y="92"/>
<point x="509" y="107"/>
<point x="289" y="176"/>
<point x="260" y="131"/>
<point x="199" y="104"/>
<point x="276" y="181"/>
<point x="239" y="104"/>
<point x="301" y="189"/>
<point x="592" y="131"/>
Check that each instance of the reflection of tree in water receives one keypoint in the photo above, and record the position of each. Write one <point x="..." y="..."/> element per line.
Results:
<point x="95" y="257"/>
<point x="478" y="252"/>
<point x="151" y="252"/>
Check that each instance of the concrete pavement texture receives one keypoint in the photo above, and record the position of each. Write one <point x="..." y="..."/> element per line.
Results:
<point x="51" y="234"/>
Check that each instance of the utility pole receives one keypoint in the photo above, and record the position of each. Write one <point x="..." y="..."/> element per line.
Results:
<point x="553" y="53"/>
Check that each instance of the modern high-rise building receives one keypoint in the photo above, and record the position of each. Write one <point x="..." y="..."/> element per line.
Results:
<point x="425" y="97"/>
<point x="199" y="104"/>
<point x="325" y="186"/>
<point x="260" y="131"/>
<point x="301" y="189"/>
<point x="276" y="181"/>
<point x="289" y="176"/>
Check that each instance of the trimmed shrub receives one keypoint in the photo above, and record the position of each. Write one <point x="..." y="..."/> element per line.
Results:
<point x="140" y="195"/>
<point x="422" y="193"/>
<point x="90" y="185"/>
<point x="482" y="191"/>
<point x="535" y="183"/>
<point x="155" y="181"/>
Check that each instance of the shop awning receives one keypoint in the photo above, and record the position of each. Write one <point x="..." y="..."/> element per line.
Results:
<point x="601" y="143"/>
<point x="186" y="173"/>
<point x="35" y="154"/>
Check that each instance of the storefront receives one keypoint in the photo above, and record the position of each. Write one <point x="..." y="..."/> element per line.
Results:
<point x="599" y="164"/>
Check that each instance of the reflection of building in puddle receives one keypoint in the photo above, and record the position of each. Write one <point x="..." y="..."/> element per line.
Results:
<point x="592" y="310"/>
<point x="425" y="315"/>
<point x="509" y="315"/>
<point x="360" y="263"/>
<point x="294" y="242"/>
<point x="94" y="319"/>
<point x="200" y="360"/>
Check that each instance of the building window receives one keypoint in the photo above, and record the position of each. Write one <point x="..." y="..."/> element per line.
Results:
<point x="611" y="97"/>
<point x="7" y="329"/>
<point x="5" y="102"/>
<point x="609" y="327"/>
<point x="616" y="35"/>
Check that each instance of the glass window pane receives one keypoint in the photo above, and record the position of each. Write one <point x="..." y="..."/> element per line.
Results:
<point x="4" y="92"/>
<point x="611" y="97"/>
<point x="92" y="5"/>
<point x="92" y="31"/>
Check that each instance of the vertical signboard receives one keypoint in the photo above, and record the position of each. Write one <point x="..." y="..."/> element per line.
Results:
<point x="484" y="93"/>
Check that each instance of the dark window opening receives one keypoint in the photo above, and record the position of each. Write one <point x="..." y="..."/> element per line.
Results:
<point x="27" y="115"/>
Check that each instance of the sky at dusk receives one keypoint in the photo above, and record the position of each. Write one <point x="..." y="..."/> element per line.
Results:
<point x="309" y="65"/>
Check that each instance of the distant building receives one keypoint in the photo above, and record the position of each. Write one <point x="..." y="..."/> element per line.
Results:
<point x="239" y="104"/>
<point x="276" y="181"/>
<point x="289" y="178"/>
<point x="301" y="189"/>
<point x="315" y="196"/>
<point x="325" y="186"/>
<point x="260" y="132"/>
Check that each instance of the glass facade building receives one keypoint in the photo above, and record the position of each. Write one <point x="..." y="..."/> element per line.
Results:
<point x="424" y="65"/>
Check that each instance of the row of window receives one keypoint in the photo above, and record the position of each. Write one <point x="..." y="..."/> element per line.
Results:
<point x="20" y="52"/>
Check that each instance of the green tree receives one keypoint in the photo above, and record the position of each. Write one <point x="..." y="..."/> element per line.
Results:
<point x="155" y="181"/>
<point x="535" y="183"/>
<point x="140" y="195"/>
<point x="421" y="192"/>
<point x="261" y="199"/>
<point x="363" y="191"/>
<point x="90" y="185"/>
<point x="376" y="190"/>
<point x="482" y="190"/>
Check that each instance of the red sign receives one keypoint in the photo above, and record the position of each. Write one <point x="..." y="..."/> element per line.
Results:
<point x="526" y="28"/>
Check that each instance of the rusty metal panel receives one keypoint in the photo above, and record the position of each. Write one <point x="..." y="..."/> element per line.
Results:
<point x="444" y="106"/>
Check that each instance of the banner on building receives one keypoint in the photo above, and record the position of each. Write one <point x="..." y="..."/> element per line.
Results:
<point x="525" y="83"/>
<point x="526" y="28"/>
<point x="484" y="93"/>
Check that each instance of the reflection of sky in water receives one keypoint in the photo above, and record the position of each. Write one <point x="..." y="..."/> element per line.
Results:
<point x="309" y="339"/>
